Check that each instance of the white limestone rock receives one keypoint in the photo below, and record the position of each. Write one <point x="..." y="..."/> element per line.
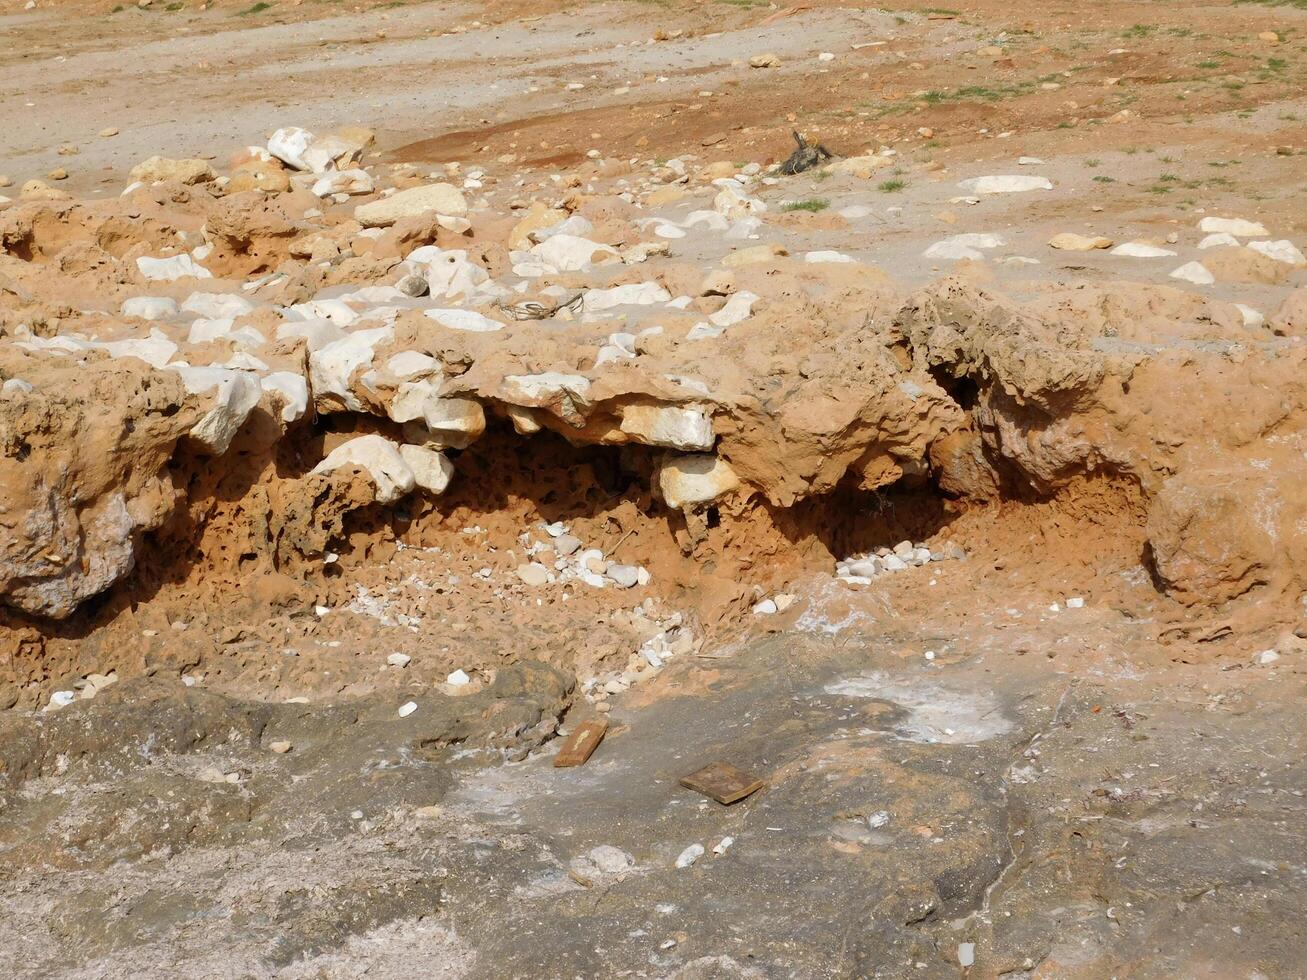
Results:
<point x="735" y="310"/>
<point x="695" y="479"/>
<point x="381" y="458"/>
<point x="1251" y="317"/>
<point x="291" y="390"/>
<point x="566" y="395"/>
<point x="688" y="429"/>
<point x="623" y="576"/>
<point x="732" y="203"/>
<point x="217" y="305"/>
<point x="1194" y="272"/>
<point x="632" y="294"/>
<point x="332" y="367"/>
<point x="408" y="363"/>
<point x="533" y="574"/>
<point x="171" y="268"/>
<point x="442" y="423"/>
<point x="966" y="246"/>
<point x="1238" y="227"/>
<point x="235" y="393"/>
<point x="432" y="470"/>
<point x="1141" y="250"/>
<point x="441" y="198"/>
<point x="571" y="253"/>
<point x="336" y="310"/>
<point x="203" y="331"/>
<point x="344" y="182"/>
<point x="1218" y="240"/>
<point x="289" y="144"/>
<point x="449" y="272"/>
<point x="155" y="350"/>
<point x="1282" y="251"/>
<point x="332" y="153"/>
<point x="573" y="224"/>
<point x="150" y="307"/>
<point x="469" y="320"/>
<point x="317" y="332"/>
<point x="1005" y="184"/>
<point x="827" y="256"/>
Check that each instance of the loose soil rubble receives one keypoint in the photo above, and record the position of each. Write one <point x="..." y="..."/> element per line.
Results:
<point x="949" y="483"/>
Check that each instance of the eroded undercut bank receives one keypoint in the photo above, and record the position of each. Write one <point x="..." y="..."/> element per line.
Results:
<point x="413" y="408"/>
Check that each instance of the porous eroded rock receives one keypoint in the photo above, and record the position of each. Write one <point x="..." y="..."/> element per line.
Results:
<point x="1219" y="533"/>
<point x="83" y="473"/>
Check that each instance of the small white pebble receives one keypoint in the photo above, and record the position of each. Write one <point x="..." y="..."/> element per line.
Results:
<point x="407" y="708"/>
<point x="458" y="678"/>
<point x="966" y="954"/>
<point x="689" y="855"/>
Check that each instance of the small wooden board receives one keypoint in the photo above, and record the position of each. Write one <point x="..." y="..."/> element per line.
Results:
<point x="580" y="745"/>
<point x="722" y="782"/>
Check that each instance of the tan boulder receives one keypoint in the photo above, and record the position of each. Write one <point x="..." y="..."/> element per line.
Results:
<point x="163" y="168"/>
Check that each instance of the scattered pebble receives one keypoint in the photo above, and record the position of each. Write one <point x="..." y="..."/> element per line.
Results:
<point x="689" y="856"/>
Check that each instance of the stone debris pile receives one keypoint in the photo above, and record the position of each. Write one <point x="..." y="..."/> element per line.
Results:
<point x="561" y="558"/>
<point x="864" y="569"/>
<point x="668" y="635"/>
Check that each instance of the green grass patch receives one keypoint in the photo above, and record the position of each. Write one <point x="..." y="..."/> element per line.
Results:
<point x="1140" y="30"/>
<point x="890" y="186"/>
<point x="812" y="205"/>
<point x="976" y="93"/>
<point x="1104" y="179"/>
<point x="257" y="8"/>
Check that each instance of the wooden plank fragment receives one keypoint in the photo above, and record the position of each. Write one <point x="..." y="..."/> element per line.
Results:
<point x="722" y="782"/>
<point x="580" y="745"/>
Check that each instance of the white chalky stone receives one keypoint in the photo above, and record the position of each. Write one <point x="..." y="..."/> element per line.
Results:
<point x="689" y="855"/>
<point x="1239" y="227"/>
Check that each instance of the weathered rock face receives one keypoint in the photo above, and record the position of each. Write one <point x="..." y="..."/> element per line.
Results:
<point x="83" y="473"/>
<point x="1148" y="384"/>
<point x="416" y="319"/>
<point x="1220" y="533"/>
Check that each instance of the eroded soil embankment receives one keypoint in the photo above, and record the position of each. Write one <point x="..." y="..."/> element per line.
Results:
<point x="321" y="411"/>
